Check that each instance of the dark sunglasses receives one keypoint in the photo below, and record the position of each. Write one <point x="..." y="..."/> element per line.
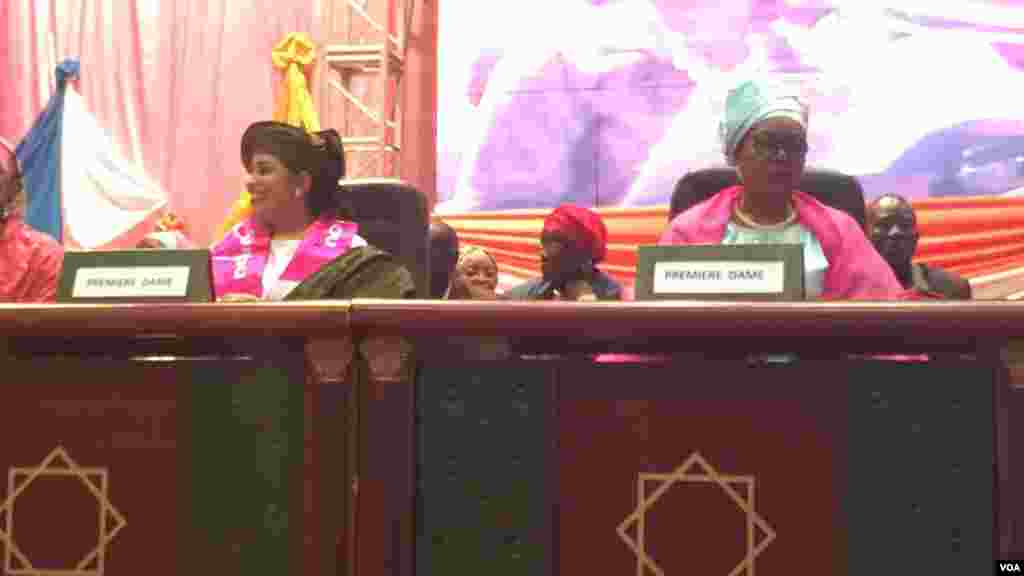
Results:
<point x="779" y="146"/>
<point x="895" y="232"/>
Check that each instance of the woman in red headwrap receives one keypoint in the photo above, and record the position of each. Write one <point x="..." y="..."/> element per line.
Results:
<point x="30" y="261"/>
<point x="574" y="240"/>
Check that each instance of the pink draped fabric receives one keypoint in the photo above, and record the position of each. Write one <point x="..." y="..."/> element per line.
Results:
<point x="855" y="270"/>
<point x="174" y="82"/>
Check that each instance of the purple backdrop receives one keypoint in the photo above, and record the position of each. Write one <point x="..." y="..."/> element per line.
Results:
<point x="608" y="103"/>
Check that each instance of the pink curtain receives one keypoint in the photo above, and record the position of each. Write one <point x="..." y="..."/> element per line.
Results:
<point x="174" y="82"/>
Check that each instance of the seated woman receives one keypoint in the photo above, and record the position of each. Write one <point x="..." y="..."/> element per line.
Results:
<point x="475" y="277"/>
<point x="764" y="136"/>
<point x="30" y="261"/>
<point x="296" y="246"/>
<point x="573" y="241"/>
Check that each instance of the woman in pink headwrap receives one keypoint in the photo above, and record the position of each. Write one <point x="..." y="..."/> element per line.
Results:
<point x="30" y="261"/>
<point x="574" y="240"/>
<point x="764" y="136"/>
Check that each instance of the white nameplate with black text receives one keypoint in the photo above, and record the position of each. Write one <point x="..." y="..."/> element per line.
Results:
<point x="134" y="282"/>
<point x="719" y="277"/>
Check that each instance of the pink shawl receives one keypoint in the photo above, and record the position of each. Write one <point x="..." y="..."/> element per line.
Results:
<point x="238" y="261"/>
<point x="855" y="270"/>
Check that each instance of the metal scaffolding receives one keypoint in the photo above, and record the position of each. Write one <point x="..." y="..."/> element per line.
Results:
<point x="361" y="88"/>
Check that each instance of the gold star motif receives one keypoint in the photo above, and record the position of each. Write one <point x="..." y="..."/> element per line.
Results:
<point x="58" y="463"/>
<point x="681" y="474"/>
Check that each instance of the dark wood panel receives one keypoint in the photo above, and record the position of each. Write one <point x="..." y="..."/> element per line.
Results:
<point x="855" y="466"/>
<point x="323" y="318"/>
<point x="103" y="419"/>
<point x="778" y="434"/>
<point x="386" y="458"/>
<point x="228" y="464"/>
<point x="613" y="320"/>
<point x="485" y="493"/>
<point x="847" y="320"/>
<point x="1009" y="422"/>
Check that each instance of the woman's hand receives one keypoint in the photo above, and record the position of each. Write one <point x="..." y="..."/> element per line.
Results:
<point x="238" y="297"/>
<point x="579" y="291"/>
<point x="151" y="244"/>
<point x="477" y="292"/>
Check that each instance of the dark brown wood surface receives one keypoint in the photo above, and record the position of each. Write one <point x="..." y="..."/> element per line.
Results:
<point x="944" y="320"/>
<point x="937" y="320"/>
<point x="891" y="327"/>
<point x="128" y="414"/>
<point x="324" y="318"/>
<point x="775" y="437"/>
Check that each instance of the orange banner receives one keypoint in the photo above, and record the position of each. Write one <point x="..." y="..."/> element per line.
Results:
<point x="981" y="238"/>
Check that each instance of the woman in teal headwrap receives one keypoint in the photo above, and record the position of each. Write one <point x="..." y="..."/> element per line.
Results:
<point x="764" y="135"/>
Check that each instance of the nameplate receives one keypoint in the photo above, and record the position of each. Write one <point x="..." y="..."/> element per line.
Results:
<point x="737" y="272"/>
<point x="134" y="282"/>
<point x="719" y="277"/>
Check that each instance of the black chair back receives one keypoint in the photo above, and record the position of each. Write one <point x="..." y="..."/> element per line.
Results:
<point x="840" y="191"/>
<point x="392" y="216"/>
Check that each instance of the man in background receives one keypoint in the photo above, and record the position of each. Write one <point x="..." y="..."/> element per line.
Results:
<point x="892" y="225"/>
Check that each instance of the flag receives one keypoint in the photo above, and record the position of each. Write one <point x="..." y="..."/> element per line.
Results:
<point x="80" y="189"/>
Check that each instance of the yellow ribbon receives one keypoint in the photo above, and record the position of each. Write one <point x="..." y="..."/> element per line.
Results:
<point x="294" y="105"/>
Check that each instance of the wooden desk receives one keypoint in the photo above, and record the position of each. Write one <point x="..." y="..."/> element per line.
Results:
<point x="837" y="464"/>
<point x="525" y="466"/>
<point x="215" y="437"/>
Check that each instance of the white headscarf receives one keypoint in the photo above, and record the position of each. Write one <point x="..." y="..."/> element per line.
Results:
<point x="753" y="101"/>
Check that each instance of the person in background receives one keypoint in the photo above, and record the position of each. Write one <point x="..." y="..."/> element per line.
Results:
<point x="764" y="135"/>
<point x="444" y="254"/>
<point x="476" y="276"/>
<point x="573" y="241"/>
<point x="893" y="228"/>
<point x="30" y="261"/>
<point x="168" y="235"/>
<point x="296" y="245"/>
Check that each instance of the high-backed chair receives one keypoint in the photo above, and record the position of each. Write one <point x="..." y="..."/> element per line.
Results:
<point x="392" y="216"/>
<point x="444" y="255"/>
<point x="834" y="189"/>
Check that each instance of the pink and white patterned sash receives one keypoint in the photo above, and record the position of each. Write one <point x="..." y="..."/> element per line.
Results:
<point x="241" y="257"/>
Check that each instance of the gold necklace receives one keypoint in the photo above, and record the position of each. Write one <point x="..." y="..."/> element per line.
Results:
<point x="748" y="221"/>
<point x="289" y="235"/>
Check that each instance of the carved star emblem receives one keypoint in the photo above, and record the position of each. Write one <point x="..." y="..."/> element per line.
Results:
<point x="705" y="473"/>
<point x="59" y="463"/>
